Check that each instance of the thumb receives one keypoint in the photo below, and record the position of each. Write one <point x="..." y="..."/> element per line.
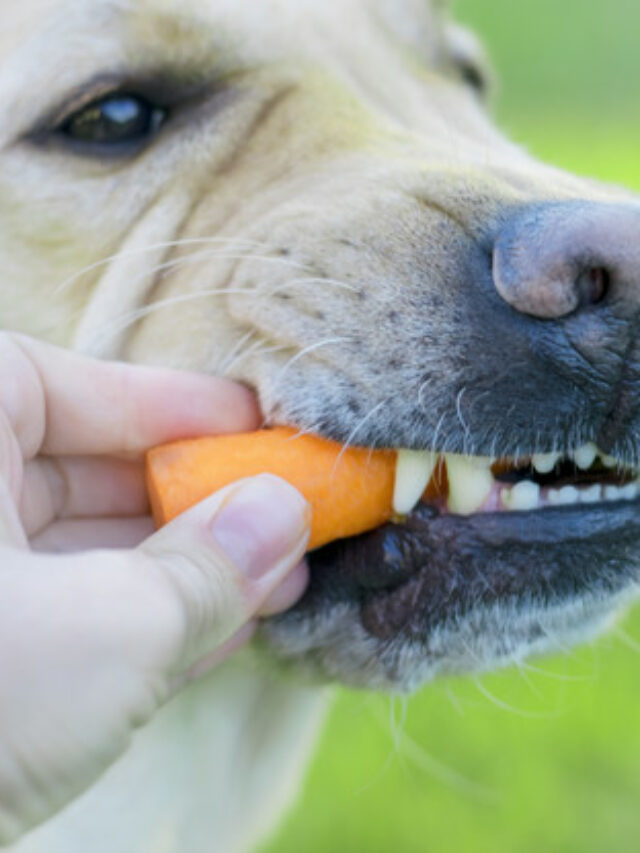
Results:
<point x="225" y="557"/>
<point x="106" y="636"/>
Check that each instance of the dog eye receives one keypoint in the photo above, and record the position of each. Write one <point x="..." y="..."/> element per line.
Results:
<point x="115" y="121"/>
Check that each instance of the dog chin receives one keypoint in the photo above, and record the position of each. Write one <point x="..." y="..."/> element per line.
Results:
<point x="446" y="593"/>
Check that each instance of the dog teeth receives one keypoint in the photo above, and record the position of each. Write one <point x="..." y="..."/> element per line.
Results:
<point x="592" y="495"/>
<point x="612" y="493"/>
<point x="414" y="469"/>
<point x="563" y="497"/>
<point x="622" y="493"/>
<point x="630" y="491"/>
<point x="523" y="496"/>
<point x="544" y="463"/>
<point x="585" y="456"/>
<point x="470" y="482"/>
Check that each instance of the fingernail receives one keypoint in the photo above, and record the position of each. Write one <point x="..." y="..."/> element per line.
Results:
<point x="261" y="524"/>
<point x="288" y="592"/>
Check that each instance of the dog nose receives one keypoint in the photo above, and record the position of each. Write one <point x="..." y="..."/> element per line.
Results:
<point x="552" y="260"/>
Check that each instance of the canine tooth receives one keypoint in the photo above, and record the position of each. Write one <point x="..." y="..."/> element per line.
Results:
<point x="414" y="469"/>
<point x="523" y="496"/>
<point x="585" y="456"/>
<point x="562" y="497"/>
<point x="470" y="482"/>
<point x="544" y="463"/>
<point x="592" y="495"/>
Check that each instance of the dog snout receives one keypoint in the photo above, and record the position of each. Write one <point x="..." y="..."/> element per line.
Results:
<point x="553" y="260"/>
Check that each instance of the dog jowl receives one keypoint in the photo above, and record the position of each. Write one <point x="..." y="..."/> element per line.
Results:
<point x="250" y="189"/>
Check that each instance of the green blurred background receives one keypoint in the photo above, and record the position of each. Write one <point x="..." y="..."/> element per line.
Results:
<point x="535" y="760"/>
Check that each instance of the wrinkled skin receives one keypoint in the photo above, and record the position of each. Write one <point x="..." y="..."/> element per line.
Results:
<point x="317" y="218"/>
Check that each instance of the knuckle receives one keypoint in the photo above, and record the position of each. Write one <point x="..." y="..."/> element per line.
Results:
<point x="22" y="397"/>
<point x="59" y="485"/>
<point x="11" y="468"/>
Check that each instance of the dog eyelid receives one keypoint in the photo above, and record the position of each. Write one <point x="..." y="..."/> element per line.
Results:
<point x="122" y="114"/>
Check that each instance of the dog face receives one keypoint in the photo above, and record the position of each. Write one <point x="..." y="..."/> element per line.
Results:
<point x="310" y="197"/>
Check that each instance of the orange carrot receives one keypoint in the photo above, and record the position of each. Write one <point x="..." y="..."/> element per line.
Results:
<point x="350" y="491"/>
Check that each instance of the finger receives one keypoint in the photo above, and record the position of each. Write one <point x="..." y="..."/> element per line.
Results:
<point x="130" y="626"/>
<point x="72" y="535"/>
<point x="11" y="466"/>
<point x="237" y="641"/>
<point x="11" y="532"/>
<point x="288" y="593"/>
<point x="77" y="486"/>
<point x="227" y="556"/>
<point x="61" y="403"/>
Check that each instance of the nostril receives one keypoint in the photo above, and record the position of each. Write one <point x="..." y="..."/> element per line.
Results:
<point x="553" y="259"/>
<point x="592" y="285"/>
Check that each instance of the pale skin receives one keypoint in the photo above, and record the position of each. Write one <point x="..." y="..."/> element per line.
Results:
<point x="96" y="637"/>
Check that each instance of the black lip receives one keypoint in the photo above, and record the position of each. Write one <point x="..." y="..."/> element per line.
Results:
<point x="436" y="567"/>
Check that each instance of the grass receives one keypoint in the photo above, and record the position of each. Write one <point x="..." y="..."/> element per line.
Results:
<point x="524" y="761"/>
<point x="520" y="761"/>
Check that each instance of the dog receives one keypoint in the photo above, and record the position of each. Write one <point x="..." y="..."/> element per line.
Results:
<point x="312" y="198"/>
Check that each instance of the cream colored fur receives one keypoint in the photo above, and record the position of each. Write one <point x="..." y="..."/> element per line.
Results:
<point x="322" y="129"/>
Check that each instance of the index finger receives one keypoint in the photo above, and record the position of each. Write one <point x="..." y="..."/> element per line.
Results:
<point x="59" y="402"/>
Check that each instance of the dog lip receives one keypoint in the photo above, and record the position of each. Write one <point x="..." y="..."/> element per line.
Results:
<point x="549" y="525"/>
<point x="540" y="526"/>
<point x="436" y="566"/>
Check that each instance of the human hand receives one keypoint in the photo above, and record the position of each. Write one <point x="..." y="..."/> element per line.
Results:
<point x="93" y="642"/>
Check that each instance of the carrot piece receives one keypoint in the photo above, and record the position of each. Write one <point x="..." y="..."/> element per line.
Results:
<point x="350" y="491"/>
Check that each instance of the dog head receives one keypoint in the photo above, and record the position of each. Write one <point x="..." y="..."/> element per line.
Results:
<point x="311" y="197"/>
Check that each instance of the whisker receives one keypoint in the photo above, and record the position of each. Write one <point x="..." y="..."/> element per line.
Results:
<point x="398" y="722"/>
<point x="306" y="351"/>
<point x="445" y="774"/>
<point x="155" y="247"/>
<point x="226" y="255"/>
<point x="314" y="430"/>
<point x="229" y="359"/>
<point x="525" y="677"/>
<point x="467" y="443"/>
<point x="257" y="348"/>
<point x="208" y="254"/>
<point x="142" y="312"/>
<point x="454" y="701"/>
<point x="555" y="676"/>
<point x="436" y="435"/>
<point x="627" y="639"/>
<point x="355" y="431"/>
<point x="505" y="706"/>
<point x="408" y="748"/>
<point x="122" y="323"/>
<point x="333" y="282"/>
